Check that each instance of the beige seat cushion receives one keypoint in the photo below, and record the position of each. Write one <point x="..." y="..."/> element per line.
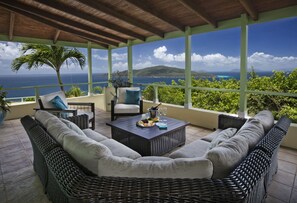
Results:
<point x="94" y="135"/>
<point x="211" y="136"/>
<point x="126" y="108"/>
<point x="266" y="119"/>
<point x="46" y="99"/>
<point x="85" y="151"/>
<point x="226" y="156"/>
<point x="175" y="168"/>
<point x="253" y="131"/>
<point x="120" y="150"/>
<point x="222" y="137"/>
<point x="197" y="148"/>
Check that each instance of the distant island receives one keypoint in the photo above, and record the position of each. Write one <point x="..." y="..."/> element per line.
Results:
<point x="165" y="71"/>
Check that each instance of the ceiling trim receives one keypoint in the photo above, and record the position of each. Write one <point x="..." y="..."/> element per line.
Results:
<point x="56" y="36"/>
<point x="11" y="25"/>
<point x="122" y="16"/>
<point x="99" y="40"/>
<point x="195" y="8"/>
<point x="88" y="17"/>
<point x="250" y="9"/>
<point x="143" y="5"/>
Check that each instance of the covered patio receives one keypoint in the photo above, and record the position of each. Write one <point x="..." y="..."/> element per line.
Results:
<point x="109" y="25"/>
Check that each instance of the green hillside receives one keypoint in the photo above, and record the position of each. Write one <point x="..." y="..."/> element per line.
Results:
<point x="165" y="71"/>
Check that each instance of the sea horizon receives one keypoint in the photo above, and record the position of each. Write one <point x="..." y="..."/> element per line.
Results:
<point x="23" y="80"/>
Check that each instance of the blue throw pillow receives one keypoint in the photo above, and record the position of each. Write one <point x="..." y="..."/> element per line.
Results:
<point x="58" y="103"/>
<point x="132" y="97"/>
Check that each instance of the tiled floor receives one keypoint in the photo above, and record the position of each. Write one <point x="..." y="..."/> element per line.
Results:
<point x="19" y="183"/>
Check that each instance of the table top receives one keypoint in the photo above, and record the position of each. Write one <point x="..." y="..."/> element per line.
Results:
<point x="129" y="124"/>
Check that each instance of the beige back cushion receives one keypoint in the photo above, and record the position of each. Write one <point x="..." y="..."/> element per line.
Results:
<point x="253" y="131"/>
<point x="226" y="156"/>
<point x="266" y="119"/>
<point x="46" y="99"/>
<point x="85" y="151"/>
<point x="121" y="92"/>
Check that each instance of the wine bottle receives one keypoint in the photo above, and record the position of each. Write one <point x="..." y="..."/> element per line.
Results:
<point x="155" y="107"/>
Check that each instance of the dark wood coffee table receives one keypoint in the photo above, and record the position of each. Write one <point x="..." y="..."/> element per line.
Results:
<point x="149" y="141"/>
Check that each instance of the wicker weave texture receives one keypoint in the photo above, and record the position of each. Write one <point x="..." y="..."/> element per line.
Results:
<point x="68" y="183"/>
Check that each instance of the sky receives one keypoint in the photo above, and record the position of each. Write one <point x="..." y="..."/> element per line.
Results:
<point x="271" y="46"/>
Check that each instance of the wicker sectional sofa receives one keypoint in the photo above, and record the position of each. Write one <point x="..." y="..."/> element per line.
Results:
<point x="66" y="180"/>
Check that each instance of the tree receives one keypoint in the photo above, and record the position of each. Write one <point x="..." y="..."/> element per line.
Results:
<point x="37" y="55"/>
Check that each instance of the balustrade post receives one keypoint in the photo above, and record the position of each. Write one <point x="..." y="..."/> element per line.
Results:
<point x="37" y="94"/>
<point x="156" y="97"/>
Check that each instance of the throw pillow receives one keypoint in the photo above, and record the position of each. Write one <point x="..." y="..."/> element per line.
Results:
<point x="222" y="137"/>
<point x="132" y="97"/>
<point x="58" y="103"/>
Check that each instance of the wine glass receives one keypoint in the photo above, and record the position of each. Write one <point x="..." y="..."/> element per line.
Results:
<point x="163" y="112"/>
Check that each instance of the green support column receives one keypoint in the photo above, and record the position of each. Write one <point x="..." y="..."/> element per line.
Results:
<point x="109" y="66"/>
<point x="188" y="69"/>
<point x="243" y="66"/>
<point x="90" y="73"/>
<point x="130" y="68"/>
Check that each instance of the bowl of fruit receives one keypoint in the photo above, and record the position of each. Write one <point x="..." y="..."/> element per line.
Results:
<point x="145" y="123"/>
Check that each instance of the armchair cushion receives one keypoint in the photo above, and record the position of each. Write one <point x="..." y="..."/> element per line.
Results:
<point x="58" y="103"/>
<point x="126" y="108"/>
<point x="132" y="97"/>
<point x="121" y="93"/>
<point x="46" y="99"/>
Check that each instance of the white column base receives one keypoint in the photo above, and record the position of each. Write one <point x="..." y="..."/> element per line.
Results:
<point x="242" y="114"/>
<point x="188" y="106"/>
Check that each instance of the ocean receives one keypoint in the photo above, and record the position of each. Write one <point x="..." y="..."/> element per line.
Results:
<point x="13" y="81"/>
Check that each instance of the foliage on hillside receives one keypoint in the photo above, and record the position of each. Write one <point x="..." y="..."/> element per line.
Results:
<point x="229" y="101"/>
<point x="164" y="71"/>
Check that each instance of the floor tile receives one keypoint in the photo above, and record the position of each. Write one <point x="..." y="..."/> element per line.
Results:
<point x="15" y="165"/>
<point x="287" y="166"/>
<point x="294" y="196"/>
<point x="280" y="191"/>
<point x="287" y="157"/>
<point x="18" y="175"/>
<point x="25" y="190"/>
<point x="271" y="199"/>
<point x="284" y="178"/>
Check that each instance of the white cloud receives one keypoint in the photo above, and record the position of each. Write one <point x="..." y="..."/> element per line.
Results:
<point x="9" y="50"/>
<point x="120" y="66"/>
<point x="119" y="57"/>
<point x="220" y="62"/>
<point x="99" y="57"/>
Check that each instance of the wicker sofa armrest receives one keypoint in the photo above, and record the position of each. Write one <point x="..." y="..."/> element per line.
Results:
<point x="82" y="121"/>
<point x="226" y="121"/>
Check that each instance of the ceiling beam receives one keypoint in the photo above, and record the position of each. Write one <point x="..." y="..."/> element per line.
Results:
<point x="122" y="16"/>
<point x="250" y="9"/>
<point x="61" y="19"/>
<point x="56" y="36"/>
<point x="98" y="40"/>
<point x="11" y="25"/>
<point x="194" y="7"/>
<point x="88" y="17"/>
<point x="145" y="6"/>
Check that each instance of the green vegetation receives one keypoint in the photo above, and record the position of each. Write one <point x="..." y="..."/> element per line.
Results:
<point x="229" y="101"/>
<point x="4" y="104"/>
<point x="75" y="91"/>
<point x="164" y="71"/>
<point x="97" y="90"/>
<point x="37" y="55"/>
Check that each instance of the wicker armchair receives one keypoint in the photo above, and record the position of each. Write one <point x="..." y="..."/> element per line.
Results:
<point x="74" y="108"/>
<point x="120" y="108"/>
<point x="68" y="182"/>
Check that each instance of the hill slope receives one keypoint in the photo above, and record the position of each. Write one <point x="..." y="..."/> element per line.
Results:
<point x="164" y="71"/>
